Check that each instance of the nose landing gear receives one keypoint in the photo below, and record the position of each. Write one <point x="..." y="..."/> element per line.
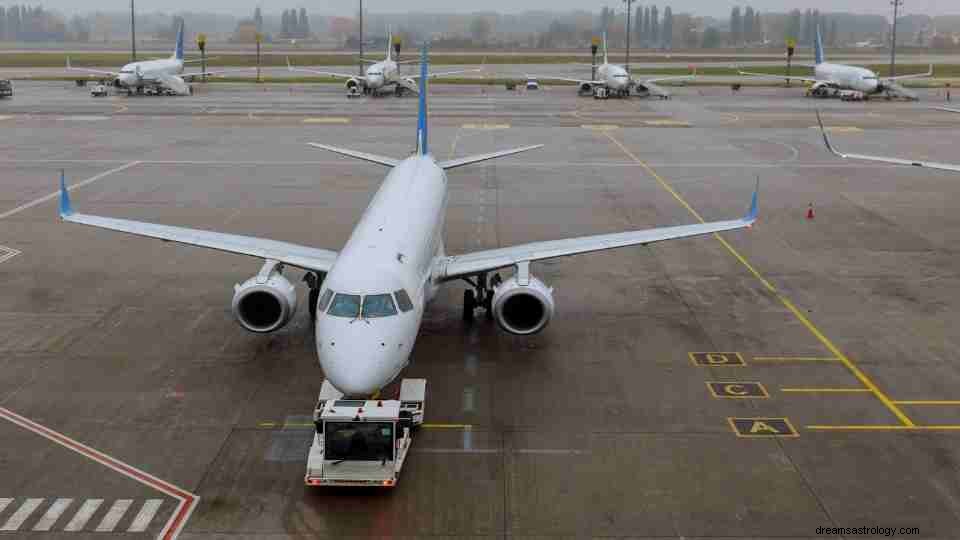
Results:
<point x="314" y="281"/>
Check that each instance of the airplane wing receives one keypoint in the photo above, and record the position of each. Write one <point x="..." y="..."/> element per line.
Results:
<point x="323" y="73"/>
<point x="484" y="261"/>
<point x="87" y="70"/>
<point x="320" y="260"/>
<point x="947" y="109"/>
<point x="883" y="159"/>
<point x="191" y="76"/>
<point x="564" y="79"/>
<point x="929" y="73"/>
<point x="780" y="77"/>
<point x="445" y="73"/>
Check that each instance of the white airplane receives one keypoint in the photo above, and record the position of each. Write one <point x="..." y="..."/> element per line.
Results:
<point x="381" y="74"/>
<point x="164" y="73"/>
<point x="368" y="300"/>
<point x="884" y="159"/>
<point x="828" y="79"/>
<point x="619" y="83"/>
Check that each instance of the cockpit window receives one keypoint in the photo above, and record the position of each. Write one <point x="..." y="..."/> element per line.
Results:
<point x="403" y="300"/>
<point x="345" y="305"/>
<point x="324" y="300"/>
<point x="126" y="71"/>
<point x="378" y="305"/>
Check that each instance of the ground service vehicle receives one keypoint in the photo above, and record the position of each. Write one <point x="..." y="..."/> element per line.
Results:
<point x="363" y="442"/>
<point x="6" y="89"/>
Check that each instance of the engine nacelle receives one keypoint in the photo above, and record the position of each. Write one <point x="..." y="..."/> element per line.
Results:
<point x="353" y="87"/>
<point x="266" y="302"/>
<point x="523" y="309"/>
<point x="585" y="88"/>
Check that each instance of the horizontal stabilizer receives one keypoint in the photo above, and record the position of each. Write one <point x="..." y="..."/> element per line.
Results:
<point x="469" y="160"/>
<point x="372" y="158"/>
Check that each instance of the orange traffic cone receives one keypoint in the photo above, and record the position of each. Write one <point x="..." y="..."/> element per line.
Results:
<point x="810" y="211"/>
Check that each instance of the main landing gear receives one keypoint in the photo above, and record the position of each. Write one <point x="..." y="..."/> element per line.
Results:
<point x="481" y="296"/>
<point x="314" y="281"/>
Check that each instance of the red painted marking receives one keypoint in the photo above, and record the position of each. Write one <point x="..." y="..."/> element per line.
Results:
<point x="188" y="501"/>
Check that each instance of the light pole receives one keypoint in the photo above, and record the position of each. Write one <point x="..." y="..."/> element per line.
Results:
<point x="629" y="4"/>
<point x="893" y="39"/>
<point x="133" y="33"/>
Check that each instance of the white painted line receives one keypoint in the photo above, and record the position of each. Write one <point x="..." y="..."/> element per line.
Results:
<point x="83" y="515"/>
<point x="114" y="515"/>
<point x="600" y="127"/>
<point x="21" y="515"/>
<point x="840" y="129"/>
<point x="145" y="516"/>
<point x="8" y="253"/>
<point x="55" y="194"/>
<point x="4" y="503"/>
<point x="5" y="117"/>
<point x="83" y="118"/>
<point x="187" y="501"/>
<point x="52" y="514"/>
<point x="326" y="120"/>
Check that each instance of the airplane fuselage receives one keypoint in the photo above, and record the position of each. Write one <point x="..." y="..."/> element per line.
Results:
<point x="139" y="74"/>
<point x="382" y="74"/>
<point x="393" y="248"/>
<point x="613" y="76"/>
<point x="848" y="77"/>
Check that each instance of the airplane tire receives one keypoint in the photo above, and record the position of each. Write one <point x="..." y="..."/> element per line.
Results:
<point x="312" y="299"/>
<point x="469" y="305"/>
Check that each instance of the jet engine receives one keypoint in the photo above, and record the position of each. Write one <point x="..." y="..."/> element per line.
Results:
<point x="585" y="88"/>
<point x="353" y="87"/>
<point x="266" y="302"/>
<point x="523" y="309"/>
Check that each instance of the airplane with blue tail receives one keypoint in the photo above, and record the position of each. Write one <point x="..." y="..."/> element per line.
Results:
<point x="164" y="73"/>
<point x="831" y="79"/>
<point x="367" y="301"/>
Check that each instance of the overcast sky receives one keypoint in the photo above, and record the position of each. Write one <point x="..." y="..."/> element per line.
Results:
<point x="345" y="7"/>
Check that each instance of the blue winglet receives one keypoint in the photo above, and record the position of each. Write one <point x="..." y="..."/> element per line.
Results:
<point x="754" y="205"/>
<point x="65" y="207"/>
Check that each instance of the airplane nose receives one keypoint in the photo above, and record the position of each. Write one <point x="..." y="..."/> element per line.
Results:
<point x="356" y="359"/>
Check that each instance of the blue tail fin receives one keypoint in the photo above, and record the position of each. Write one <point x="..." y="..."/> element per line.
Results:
<point x="422" y="147"/>
<point x="178" y="52"/>
<point x="818" y="48"/>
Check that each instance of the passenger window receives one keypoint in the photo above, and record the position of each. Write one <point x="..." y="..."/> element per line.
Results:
<point x="345" y="305"/>
<point x="378" y="305"/>
<point x="324" y="300"/>
<point x="403" y="300"/>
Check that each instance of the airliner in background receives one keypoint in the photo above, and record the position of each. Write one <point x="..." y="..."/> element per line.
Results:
<point x="368" y="300"/>
<point x="884" y="159"/>
<point x="618" y="81"/>
<point x="380" y="75"/>
<point x="166" y="73"/>
<point x="828" y="78"/>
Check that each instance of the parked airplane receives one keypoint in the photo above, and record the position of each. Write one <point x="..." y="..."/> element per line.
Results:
<point x="883" y="159"/>
<point x="617" y="81"/>
<point x="368" y="300"/>
<point x="165" y="73"/>
<point x="380" y="75"/>
<point x="829" y="79"/>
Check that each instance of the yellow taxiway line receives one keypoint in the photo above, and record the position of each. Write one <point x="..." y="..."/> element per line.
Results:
<point x="860" y="375"/>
